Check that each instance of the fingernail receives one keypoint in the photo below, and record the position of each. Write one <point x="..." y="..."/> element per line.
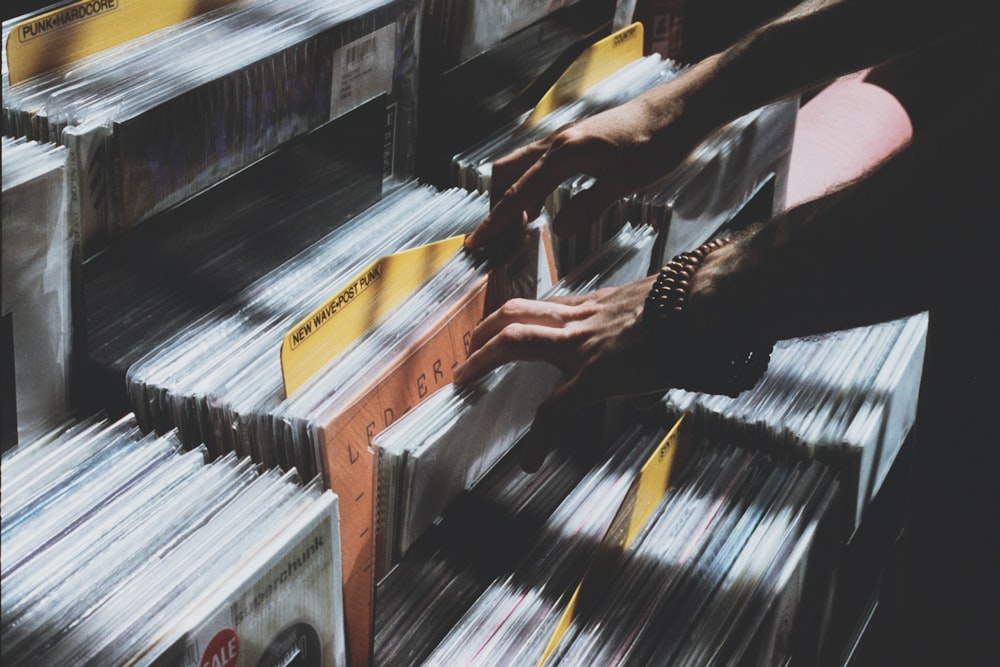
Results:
<point x="470" y="241"/>
<point x="458" y="375"/>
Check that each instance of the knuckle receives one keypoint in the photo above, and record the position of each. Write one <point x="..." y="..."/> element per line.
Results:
<point x="513" y="191"/>
<point x="562" y="140"/>
<point x="568" y="134"/>
<point x="512" y="334"/>
<point x="514" y="309"/>
<point x="576" y="336"/>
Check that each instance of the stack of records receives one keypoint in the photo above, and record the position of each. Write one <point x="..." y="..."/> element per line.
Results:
<point x="716" y="563"/>
<point x="722" y="553"/>
<point x="485" y="62"/>
<point x="37" y="274"/>
<point x="481" y="539"/>
<point x="467" y="29"/>
<point x="446" y="444"/>
<point x="120" y="548"/>
<point x="160" y="118"/>
<point x="308" y="418"/>
<point x="224" y="380"/>
<point x="847" y="398"/>
<point x="184" y="264"/>
<point x="718" y="179"/>
<point x="221" y="374"/>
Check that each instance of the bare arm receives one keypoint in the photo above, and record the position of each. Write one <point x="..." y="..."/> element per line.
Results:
<point x="916" y="233"/>
<point x="635" y="144"/>
<point x="909" y="236"/>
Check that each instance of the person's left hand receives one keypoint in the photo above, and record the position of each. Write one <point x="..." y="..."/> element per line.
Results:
<point x="597" y="340"/>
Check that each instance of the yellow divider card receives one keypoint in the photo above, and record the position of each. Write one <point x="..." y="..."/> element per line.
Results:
<point x="640" y="500"/>
<point x="600" y="60"/>
<point x="67" y="34"/>
<point x="329" y="329"/>
<point x="350" y="459"/>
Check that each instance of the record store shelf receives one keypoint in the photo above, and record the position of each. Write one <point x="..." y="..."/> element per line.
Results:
<point x="172" y="499"/>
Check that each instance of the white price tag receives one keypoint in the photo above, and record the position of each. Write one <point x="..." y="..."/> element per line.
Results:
<point x="362" y="70"/>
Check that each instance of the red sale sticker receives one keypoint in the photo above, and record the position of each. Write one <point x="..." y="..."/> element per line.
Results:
<point x="223" y="650"/>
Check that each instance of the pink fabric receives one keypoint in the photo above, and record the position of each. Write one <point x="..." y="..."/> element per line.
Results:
<point x="847" y="128"/>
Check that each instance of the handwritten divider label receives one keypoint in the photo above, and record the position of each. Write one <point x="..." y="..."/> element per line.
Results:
<point x="68" y="34"/>
<point x="350" y="462"/>
<point x="345" y="316"/>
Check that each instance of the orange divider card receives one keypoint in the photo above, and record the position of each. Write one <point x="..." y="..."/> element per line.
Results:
<point x="600" y="60"/>
<point x="640" y="500"/>
<point x="328" y="330"/>
<point x="65" y="35"/>
<point x="350" y="463"/>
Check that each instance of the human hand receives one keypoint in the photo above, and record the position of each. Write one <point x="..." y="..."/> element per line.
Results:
<point x="597" y="340"/>
<point x="623" y="149"/>
<point x="605" y="146"/>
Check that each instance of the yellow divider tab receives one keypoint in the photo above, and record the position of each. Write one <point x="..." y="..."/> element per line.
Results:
<point x="640" y="500"/>
<point x="329" y="329"/>
<point x="68" y="34"/>
<point x="600" y="60"/>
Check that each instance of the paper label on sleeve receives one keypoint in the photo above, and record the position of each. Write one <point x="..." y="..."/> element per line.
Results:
<point x="362" y="70"/>
<point x="80" y="29"/>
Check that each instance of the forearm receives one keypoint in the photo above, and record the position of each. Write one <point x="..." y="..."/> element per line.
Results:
<point x="907" y="237"/>
<point x="815" y="270"/>
<point x="810" y="45"/>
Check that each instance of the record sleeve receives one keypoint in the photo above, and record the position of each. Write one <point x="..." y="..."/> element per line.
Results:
<point x="39" y="299"/>
<point x="445" y="445"/>
<point x="166" y="116"/>
<point x="280" y="607"/>
<point x="174" y="561"/>
<point x="847" y="398"/>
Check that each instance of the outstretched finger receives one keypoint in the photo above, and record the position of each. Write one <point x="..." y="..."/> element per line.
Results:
<point x="516" y="342"/>
<point x="523" y="311"/>
<point x="505" y="172"/>
<point x="525" y="198"/>
<point x="508" y="169"/>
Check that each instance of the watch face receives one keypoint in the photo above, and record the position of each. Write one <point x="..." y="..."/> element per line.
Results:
<point x="297" y="645"/>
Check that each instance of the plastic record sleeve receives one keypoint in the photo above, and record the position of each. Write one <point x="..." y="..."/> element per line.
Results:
<point x="141" y="570"/>
<point x="450" y="441"/>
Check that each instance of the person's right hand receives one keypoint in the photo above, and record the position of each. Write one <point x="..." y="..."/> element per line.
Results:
<point x="624" y="149"/>
<point x="597" y="340"/>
